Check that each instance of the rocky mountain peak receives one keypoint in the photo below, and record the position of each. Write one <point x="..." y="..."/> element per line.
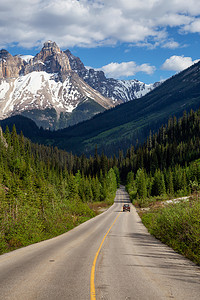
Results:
<point x="4" y="54"/>
<point x="10" y="66"/>
<point x="50" y="59"/>
<point x="49" y="49"/>
<point x="51" y="45"/>
<point x="55" y="89"/>
<point x="118" y="90"/>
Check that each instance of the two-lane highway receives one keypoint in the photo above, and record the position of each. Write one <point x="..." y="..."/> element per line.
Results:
<point x="127" y="262"/>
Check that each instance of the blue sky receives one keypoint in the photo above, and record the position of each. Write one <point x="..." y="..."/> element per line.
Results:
<point x="149" y="40"/>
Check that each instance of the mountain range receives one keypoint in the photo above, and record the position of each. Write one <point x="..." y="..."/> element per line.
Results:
<point x="119" y="90"/>
<point x="127" y="124"/>
<point x="56" y="90"/>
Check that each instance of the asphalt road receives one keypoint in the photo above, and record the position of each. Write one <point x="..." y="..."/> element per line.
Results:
<point x="129" y="264"/>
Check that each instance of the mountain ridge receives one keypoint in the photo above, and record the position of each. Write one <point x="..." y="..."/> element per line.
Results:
<point x="118" y="90"/>
<point x="130" y="123"/>
<point x="56" y="90"/>
<point x="46" y="89"/>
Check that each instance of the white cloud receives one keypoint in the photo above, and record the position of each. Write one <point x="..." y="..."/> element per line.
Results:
<point x="178" y="63"/>
<point x="125" y="69"/>
<point x="193" y="27"/>
<point x="98" y="22"/>
<point x="171" y="45"/>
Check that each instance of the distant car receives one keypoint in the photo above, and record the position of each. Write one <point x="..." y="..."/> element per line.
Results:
<point x="126" y="207"/>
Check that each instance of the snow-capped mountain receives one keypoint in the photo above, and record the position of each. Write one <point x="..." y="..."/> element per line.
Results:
<point x="56" y="90"/>
<point x="46" y="89"/>
<point x="118" y="90"/>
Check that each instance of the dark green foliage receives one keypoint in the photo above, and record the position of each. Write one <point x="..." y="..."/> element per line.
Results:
<point x="27" y="126"/>
<point x="141" y="184"/>
<point x="177" y="143"/>
<point x="45" y="191"/>
<point x="165" y="160"/>
<point x="158" y="186"/>
<point x="170" y="168"/>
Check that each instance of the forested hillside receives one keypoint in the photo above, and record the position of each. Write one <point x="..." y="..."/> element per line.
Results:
<point x="168" y="153"/>
<point x="45" y="192"/>
<point x="176" y="143"/>
<point x="167" y="166"/>
<point x="123" y="125"/>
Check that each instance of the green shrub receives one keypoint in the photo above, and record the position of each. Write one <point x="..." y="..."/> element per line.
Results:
<point x="178" y="226"/>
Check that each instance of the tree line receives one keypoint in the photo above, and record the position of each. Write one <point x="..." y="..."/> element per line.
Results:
<point x="165" y="163"/>
<point x="45" y="191"/>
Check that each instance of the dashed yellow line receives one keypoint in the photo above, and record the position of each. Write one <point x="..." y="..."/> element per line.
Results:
<point x="92" y="277"/>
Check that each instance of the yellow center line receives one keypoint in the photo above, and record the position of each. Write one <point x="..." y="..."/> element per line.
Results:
<point x="92" y="277"/>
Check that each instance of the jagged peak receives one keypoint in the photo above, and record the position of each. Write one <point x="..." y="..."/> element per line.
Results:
<point x="4" y="53"/>
<point x="49" y="45"/>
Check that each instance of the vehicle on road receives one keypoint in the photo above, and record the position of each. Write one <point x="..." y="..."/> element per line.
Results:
<point x="126" y="207"/>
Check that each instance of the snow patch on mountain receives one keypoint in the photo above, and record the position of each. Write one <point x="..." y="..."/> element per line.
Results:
<point x="50" y="86"/>
<point x="38" y="90"/>
<point x="27" y="58"/>
<point x="118" y="90"/>
<point x="140" y="88"/>
<point x="4" y="88"/>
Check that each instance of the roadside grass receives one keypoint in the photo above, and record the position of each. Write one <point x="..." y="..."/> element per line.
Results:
<point x="146" y="202"/>
<point x="101" y="206"/>
<point x="177" y="225"/>
<point x="29" y="229"/>
<point x="98" y="207"/>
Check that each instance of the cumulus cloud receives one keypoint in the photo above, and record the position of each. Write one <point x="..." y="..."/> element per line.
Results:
<point x="193" y="27"/>
<point x="94" y="23"/>
<point x="126" y="69"/>
<point x="178" y="63"/>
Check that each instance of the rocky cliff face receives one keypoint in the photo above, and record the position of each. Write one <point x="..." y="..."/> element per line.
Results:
<point x="50" y="59"/>
<point x="118" y="90"/>
<point x="56" y="90"/>
<point x="46" y="89"/>
<point x="10" y="66"/>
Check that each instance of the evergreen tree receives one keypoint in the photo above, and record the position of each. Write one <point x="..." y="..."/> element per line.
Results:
<point x="141" y="184"/>
<point x="158" y="187"/>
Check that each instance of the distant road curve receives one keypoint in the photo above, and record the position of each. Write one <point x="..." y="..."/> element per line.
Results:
<point x="131" y="264"/>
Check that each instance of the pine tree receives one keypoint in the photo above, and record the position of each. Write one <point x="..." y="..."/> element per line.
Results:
<point x="158" y="187"/>
<point x="141" y="184"/>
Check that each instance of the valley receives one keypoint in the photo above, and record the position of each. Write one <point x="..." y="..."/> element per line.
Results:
<point x="46" y="191"/>
<point x="99" y="150"/>
<point x="126" y="124"/>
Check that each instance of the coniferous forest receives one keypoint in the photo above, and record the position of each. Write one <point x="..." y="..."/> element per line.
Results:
<point x="168" y="162"/>
<point x="45" y="191"/>
<point x="167" y="166"/>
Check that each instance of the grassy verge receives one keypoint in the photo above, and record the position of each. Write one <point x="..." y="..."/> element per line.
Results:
<point x="177" y="225"/>
<point x="29" y="228"/>
<point x="99" y="207"/>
